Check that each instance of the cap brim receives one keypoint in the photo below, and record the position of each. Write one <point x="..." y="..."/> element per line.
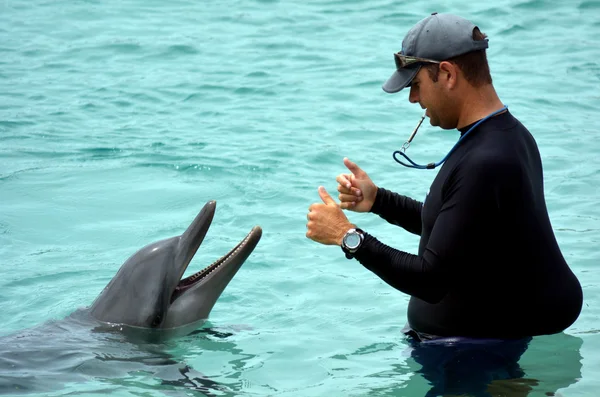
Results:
<point x="400" y="79"/>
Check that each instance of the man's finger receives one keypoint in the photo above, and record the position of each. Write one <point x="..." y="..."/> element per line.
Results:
<point x="355" y="169"/>
<point x="348" y="198"/>
<point x="347" y="205"/>
<point x="344" y="190"/>
<point x="352" y="191"/>
<point x="343" y="180"/>
<point x="327" y="199"/>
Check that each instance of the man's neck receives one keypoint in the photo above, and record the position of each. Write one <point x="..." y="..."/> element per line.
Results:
<point x="477" y="104"/>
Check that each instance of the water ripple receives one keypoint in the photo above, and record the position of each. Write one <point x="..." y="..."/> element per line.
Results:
<point x="119" y="120"/>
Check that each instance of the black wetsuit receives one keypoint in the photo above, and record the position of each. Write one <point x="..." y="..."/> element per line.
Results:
<point x="488" y="263"/>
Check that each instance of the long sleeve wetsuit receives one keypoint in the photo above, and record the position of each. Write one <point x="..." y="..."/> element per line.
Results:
<point x="488" y="263"/>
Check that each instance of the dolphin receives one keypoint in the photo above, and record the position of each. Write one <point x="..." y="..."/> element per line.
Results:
<point x="121" y="331"/>
<point x="148" y="291"/>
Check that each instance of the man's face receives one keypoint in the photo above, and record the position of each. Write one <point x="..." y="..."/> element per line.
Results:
<point x="431" y="96"/>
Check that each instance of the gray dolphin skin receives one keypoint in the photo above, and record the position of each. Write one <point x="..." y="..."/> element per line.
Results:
<point x="148" y="292"/>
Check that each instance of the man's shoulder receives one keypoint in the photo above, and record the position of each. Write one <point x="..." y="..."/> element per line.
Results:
<point x="490" y="164"/>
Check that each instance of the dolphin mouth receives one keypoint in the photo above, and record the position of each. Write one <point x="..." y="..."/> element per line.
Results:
<point x="196" y="278"/>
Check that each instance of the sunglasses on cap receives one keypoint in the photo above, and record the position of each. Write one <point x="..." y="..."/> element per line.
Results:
<point x="403" y="61"/>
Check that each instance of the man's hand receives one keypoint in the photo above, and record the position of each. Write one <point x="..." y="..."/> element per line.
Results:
<point x="327" y="223"/>
<point x="357" y="191"/>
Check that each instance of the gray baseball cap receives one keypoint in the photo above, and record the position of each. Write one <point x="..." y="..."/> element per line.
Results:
<point x="437" y="37"/>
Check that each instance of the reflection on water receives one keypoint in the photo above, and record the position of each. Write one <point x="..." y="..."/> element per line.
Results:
<point x="540" y="366"/>
<point x="77" y="352"/>
<point x="67" y="355"/>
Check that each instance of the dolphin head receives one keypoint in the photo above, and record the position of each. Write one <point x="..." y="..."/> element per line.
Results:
<point x="148" y="292"/>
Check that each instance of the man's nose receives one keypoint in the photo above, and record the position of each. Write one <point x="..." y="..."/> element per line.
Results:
<point x="413" y="96"/>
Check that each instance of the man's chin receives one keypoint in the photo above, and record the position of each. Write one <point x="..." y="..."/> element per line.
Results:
<point x="436" y="123"/>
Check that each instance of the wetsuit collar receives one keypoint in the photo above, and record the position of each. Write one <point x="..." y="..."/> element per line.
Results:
<point x="468" y="127"/>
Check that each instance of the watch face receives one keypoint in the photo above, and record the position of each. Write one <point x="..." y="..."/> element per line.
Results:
<point x="352" y="240"/>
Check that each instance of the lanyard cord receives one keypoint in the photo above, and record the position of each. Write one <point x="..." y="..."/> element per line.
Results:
<point x="431" y="166"/>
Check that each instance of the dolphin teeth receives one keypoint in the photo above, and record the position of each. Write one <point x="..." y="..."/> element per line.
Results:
<point x="187" y="282"/>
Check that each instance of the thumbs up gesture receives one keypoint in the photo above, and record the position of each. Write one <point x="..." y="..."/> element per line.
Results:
<point x="357" y="190"/>
<point x="327" y="223"/>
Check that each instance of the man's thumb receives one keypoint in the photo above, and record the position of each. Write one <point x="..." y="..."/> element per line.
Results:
<point x="355" y="169"/>
<point x="325" y="196"/>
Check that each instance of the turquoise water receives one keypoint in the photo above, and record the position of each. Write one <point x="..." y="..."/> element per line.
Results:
<point x="119" y="120"/>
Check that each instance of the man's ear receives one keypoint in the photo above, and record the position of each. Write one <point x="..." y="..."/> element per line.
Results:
<point x="448" y="74"/>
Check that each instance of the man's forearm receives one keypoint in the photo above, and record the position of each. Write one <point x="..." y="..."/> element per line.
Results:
<point x="398" y="210"/>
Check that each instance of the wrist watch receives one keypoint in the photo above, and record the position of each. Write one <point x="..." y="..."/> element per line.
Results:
<point x="352" y="241"/>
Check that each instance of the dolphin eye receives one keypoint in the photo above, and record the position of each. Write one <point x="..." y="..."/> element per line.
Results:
<point x="157" y="320"/>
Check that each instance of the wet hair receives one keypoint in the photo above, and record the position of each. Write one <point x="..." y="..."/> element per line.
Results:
<point x="474" y="65"/>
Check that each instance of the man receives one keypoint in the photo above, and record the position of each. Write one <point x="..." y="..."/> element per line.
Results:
<point x="488" y="263"/>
